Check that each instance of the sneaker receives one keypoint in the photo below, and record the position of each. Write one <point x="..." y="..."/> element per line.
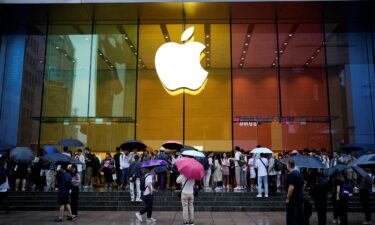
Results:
<point x="139" y="216"/>
<point x="237" y="188"/>
<point x="259" y="196"/>
<point x="132" y="200"/>
<point x="266" y="196"/>
<point x="138" y="200"/>
<point x="151" y="220"/>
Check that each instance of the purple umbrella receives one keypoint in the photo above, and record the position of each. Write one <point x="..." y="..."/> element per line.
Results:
<point x="154" y="163"/>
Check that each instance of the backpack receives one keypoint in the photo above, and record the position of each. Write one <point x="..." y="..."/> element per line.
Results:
<point x="206" y="164"/>
<point x="143" y="183"/>
<point x="242" y="161"/>
<point x="277" y="165"/>
<point x="3" y="175"/>
<point x="68" y="181"/>
<point x="346" y="191"/>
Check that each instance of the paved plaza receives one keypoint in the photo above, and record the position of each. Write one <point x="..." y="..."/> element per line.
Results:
<point x="163" y="218"/>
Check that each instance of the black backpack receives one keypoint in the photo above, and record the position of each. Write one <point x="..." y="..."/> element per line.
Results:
<point x="143" y="183"/>
<point x="3" y="174"/>
<point x="68" y="181"/>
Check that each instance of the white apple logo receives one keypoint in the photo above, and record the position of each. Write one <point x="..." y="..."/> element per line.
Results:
<point x="178" y="65"/>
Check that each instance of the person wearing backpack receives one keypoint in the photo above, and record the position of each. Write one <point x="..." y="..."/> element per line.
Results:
<point x="64" y="180"/>
<point x="4" y="186"/>
<point x="147" y="187"/>
<point x="262" y="165"/>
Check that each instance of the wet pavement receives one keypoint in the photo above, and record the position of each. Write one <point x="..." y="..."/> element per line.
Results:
<point x="163" y="218"/>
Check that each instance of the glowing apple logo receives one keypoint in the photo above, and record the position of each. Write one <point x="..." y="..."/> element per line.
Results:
<point x="178" y="65"/>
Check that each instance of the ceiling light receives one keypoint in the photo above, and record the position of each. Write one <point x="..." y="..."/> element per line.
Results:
<point x="126" y="38"/>
<point x="290" y="35"/>
<point x="112" y="66"/>
<point x="312" y="57"/>
<point x="40" y="61"/>
<point x="208" y="52"/>
<point x="73" y="61"/>
<point x="131" y="46"/>
<point x="57" y="47"/>
<point x="275" y="52"/>
<point x="100" y="53"/>
<point x="208" y="36"/>
<point x="135" y="53"/>
<point x="240" y="64"/>
<point x="208" y="64"/>
<point x="246" y="44"/>
<point x="285" y="43"/>
<point x="208" y="59"/>
<point x="318" y="50"/>
<point x="307" y="64"/>
<point x="106" y="60"/>
<point x="248" y="35"/>
<point x="140" y="60"/>
<point x="66" y="54"/>
<point x="166" y="37"/>
<point x="207" y="44"/>
<point x="281" y="51"/>
<point x="244" y="52"/>
<point x="86" y="39"/>
<point x="273" y="64"/>
<point x="242" y="58"/>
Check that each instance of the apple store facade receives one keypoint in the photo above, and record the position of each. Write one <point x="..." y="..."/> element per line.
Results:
<point x="283" y="75"/>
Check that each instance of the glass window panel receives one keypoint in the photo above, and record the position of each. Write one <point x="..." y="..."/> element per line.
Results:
<point x="208" y="114"/>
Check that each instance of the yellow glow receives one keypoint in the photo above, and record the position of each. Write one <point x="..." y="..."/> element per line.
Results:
<point x="182" y="90"/>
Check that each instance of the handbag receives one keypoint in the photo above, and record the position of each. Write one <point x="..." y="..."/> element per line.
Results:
<point x="179" y="193"/>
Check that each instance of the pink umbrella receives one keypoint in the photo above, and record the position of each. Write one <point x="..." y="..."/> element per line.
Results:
<point x="190" y="168"/>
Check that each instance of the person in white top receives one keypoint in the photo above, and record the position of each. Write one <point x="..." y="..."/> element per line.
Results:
<point x="225" y="165"/>
<point x="237" y="158"/>
<point x="208" y="172"/>
<point x="148" y="196"/>
<point x="261" y="164"/>
<point x="187" y="198"/>
<point x="251" y="163"/>
<point x="218" y="173"/>
<point x="125" y="160"/>
<point x="80" y="167"/>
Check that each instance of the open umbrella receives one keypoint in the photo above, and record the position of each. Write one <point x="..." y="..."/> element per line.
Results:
<point x="351" y="148"/>
<point x="57" y="158"/>
<point x="51" y="149"/>
<point x="4" y="150"/>
<point x="70" y="143"/>
<point x="365" y="160"/>
<point x="133" y="144"/>
<point x="261" y="150"/>
<point x="154" y="163"/>
<point x="305" y="162"/>
<point x="76" y="161"/>
<point x="336" y="169"/>
<point x="22" y="155"/>
<point x="190" y="168"/>
<point x="360" y="170"/>
<point x="193" y="153"/>
<point x="173" y="145"/>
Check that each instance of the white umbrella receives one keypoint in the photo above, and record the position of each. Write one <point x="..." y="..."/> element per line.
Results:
<point x="193" y="153"/>
<point x="261" y="150"/>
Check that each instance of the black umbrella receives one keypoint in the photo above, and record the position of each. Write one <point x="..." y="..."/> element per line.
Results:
<point x="336" y="169"/>
<point x="70" y="143"/>
<point x="351" y="148"/>
<point x="133" y="145"/>
<point x="22" y="155"/>
<point x="173" y="145"/>
<point x="305" y="162"/>
<point x="56" y="158"/>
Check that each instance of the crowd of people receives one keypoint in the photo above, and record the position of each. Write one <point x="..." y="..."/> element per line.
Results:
<point x="264" y="174"/>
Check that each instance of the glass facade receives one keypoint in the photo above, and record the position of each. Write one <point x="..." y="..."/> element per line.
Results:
<point x="285" y="76"/>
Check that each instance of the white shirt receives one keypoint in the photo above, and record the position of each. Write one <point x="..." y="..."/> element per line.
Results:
<point x="125" y="161"/>
<point x="237" y="156"/>
<point x="80" y="167"/>
<point x="149" y="182"/>
<point x="262" y="170"/>
<point x="189" y="186"/>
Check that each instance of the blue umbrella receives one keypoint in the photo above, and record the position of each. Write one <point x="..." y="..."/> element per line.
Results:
<point x="132" y="145"/>
<point x="4" y="150"/>
<point x="51" y="149"/>
<point x="70" y="143"/>
<point x="22" y="155"/>
<point x="56" y="158"/>
<point x="305" y="162"/>
<point x="364" y="160"/>
<point x="154" y="163"/>
<point x="336" y="169"/>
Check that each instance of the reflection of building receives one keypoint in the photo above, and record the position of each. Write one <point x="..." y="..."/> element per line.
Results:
<point x="280" y="74"/>
<point x="60" y="71"/>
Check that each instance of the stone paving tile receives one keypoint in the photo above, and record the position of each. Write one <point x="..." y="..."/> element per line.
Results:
<point x="163" y="218"/>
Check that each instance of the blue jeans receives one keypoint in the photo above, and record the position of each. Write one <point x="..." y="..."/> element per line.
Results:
<point x="264" y="180"/>
<point x="124" y="176"/>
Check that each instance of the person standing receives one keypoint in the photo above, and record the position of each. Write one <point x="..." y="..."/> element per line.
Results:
<point x="125" y="159"/>
<point x="365" y="188"/>
<point x="135" y="175"/>
<point x="237" y="157"/>
<point x="251" y="163"/>
<point x="225" y="165"/>
<point x="243" y="165"/>
<point x="218" y="174"/>
<point x="107" y="168"/>
<point x="116" y="157"/>
<point x="89" y="161"/>
<point x="64" y="179"/>
<point x="187" y="199"/>
<point x="294" y="198"/>
<point x="272" y="175"/>
<point x="81" y="168"/>
<point x="21" y="171"/>
<point x="148" y="196"/>
<point x="4" y="186"/>
<point x="262" y="164"/>
<point x="76" y="181"/>
<point x="318" y="192"/>
<point x="161" y="171"/>
<point x="208" y="162"/>
<point x="339" y="202"/>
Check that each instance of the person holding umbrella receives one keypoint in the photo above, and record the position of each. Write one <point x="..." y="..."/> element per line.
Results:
<point x="190" y="170"/>
<point x="148" y="189"/>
